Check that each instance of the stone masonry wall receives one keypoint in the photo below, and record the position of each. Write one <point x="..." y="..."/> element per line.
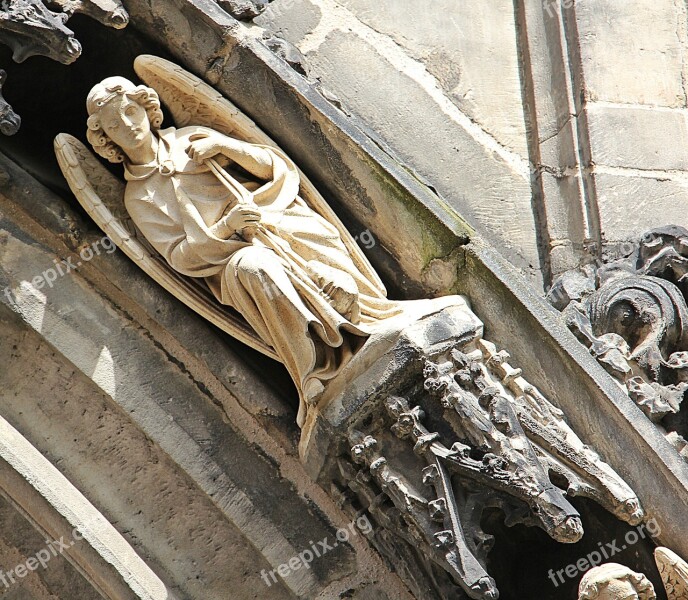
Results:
<point x="556" y="128"/>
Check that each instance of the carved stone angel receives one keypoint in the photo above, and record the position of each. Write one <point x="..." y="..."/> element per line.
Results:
<point x="230" y="212"/>
<point x="216" y="213"/>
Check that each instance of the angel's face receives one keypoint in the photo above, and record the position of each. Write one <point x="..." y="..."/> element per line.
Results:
<point x="125" y="122"/>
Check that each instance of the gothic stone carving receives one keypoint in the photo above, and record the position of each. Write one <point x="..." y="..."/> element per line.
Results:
<point x="243" y="10"/>
<point x="108" y="12"/>
<point x="30" y="28"/>
<point x="674" y="572"/>
<point x="467" y="432"/>
<point x="232" y="227"/>
<point x="616" y="582"/>
<point x="287" y="266"/>
<point x="9" y="120"/>
<point x="632" y="315"/>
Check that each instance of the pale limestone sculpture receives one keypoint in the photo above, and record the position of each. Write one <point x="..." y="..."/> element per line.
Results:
<point x="230" y="212"/>
<point x="616" y="582"/>
<point x="674" y="572"/>
<point x="230" y="223"/>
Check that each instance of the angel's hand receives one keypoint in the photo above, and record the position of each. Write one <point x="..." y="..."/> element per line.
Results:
<point x="201" y="149"/>
<point x="239" y="218"/>
<point x="242" y="216"/>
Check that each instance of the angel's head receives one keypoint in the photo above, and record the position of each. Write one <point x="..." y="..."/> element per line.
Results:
<point x="612" y="582"/>
<point x="121" y="117"/>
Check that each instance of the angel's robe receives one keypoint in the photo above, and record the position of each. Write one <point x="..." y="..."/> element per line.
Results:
<point x="175" y="201"/>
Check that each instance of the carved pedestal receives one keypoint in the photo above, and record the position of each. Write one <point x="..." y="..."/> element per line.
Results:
<point x="433" y="427"/>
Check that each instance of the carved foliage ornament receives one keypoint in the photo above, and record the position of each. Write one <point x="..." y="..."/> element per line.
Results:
<point x="632" y="315"/>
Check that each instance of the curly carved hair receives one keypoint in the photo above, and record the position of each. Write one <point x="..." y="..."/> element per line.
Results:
<point x="100" y="95"/>
<point x="595" y="580"/>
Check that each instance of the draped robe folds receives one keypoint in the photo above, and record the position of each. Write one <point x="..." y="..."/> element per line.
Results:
<point x="175" y="201"/>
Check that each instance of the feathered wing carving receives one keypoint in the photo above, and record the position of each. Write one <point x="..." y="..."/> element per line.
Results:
<point x="674" y="572"/>
<point x="102" y="196"/>
<point x="191" y="101"/>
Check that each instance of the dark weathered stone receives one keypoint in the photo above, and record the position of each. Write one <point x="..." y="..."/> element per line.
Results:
<point x="445" y="428"/>
<point x="108" y="12"/>
<point x="9" y="120"/>
<point x="243" y="10"/>
<point x="288" y="52"/>
<point x="29" y="28"/>
<point x="635" y="322"/>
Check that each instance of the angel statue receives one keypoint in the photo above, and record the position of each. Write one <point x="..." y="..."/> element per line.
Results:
<point x="230" y="212"/>
<point x="216" y="213"/>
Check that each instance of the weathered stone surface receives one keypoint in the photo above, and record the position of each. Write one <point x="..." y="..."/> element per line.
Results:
<point x="632" y="202"/>
<point x="559" y="366"/>
<point x="630" y="137"/>
<point x="592" y="401"/>
<point x="108" y="12"/>
<point x="633" y="53"/>
<point x="484" y="192"/>
<point x="631" y="313"/>
<point x="455" y="41"/>
<point x="244" y="10"/>
<point x="29" y="28"/>
<point x="131" y="479"/>
<point x="69" y="526"/>
<point x="19" y="541"/>
<point x="553" y="358"/>
<point x="451" y="396"/>
<point x="407" y="91"/>
<point x="9" y="120"/>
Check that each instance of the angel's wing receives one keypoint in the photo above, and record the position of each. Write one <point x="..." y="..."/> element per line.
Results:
<point x="102" y="195"/>
<point x="674" y="572"/>
<point x="193" y="102"/>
